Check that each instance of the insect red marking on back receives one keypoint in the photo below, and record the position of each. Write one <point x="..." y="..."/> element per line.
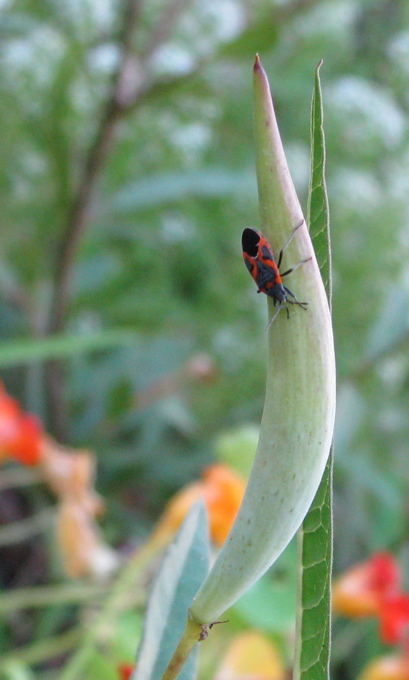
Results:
<point x="259" y="259"/>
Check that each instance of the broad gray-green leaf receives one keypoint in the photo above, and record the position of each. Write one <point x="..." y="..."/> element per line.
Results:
<point x="183" y="570"/>
<point x="162" y="188"/>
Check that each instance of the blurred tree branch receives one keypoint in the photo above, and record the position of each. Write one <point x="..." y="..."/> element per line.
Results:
<point x="79" y="209"/>
<point x="127" y="89"/>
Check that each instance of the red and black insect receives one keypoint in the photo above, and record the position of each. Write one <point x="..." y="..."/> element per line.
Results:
<point x="259" y="259"/>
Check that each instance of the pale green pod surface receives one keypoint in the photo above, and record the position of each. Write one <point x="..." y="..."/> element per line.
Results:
<point x="298" y="418"/>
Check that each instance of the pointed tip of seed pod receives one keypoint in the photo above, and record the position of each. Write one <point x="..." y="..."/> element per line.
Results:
<point x="320" y="63"/>
<point x="260" y="77"/>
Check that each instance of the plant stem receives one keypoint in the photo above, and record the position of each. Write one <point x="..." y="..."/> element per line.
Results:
<point x="187" y="642"/>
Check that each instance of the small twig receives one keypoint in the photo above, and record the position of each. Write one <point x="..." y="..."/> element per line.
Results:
<point x="164" y="26"/>
<point x="12" y="291"/>
<point x="19" y="477"/>
<point x="25" y="529"/>
<point x="206" y="628"/>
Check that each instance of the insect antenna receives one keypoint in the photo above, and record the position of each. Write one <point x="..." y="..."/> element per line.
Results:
<point x="276" y="315"/>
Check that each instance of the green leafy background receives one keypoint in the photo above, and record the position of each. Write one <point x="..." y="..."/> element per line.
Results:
<point x="157" y="276"/>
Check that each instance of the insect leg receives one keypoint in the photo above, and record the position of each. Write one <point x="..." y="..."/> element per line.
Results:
<point x="295" y="301"/>
<point x="296" y="267"/>
<point x="280" y="256"/>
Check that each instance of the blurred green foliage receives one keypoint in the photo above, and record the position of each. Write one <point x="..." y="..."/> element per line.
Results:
<point x="156" y="251"/>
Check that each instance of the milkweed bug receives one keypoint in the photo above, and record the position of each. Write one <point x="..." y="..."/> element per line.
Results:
<point x="259" y="259"/>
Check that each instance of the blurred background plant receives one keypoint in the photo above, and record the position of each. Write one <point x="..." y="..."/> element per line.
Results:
<point x="128" y="322"/>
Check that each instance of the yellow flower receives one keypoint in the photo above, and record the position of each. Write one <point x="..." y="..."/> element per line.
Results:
<point x="251" y="656"/>
<point x="391" y="667"/>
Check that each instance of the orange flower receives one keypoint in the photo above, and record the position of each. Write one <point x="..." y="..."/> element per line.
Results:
<point x="21" y="435"/>
<point x="222" y="491"/>
<point x="391" y="667"/>
<point x="362" y="590"/>
<point x="251" y="656"/>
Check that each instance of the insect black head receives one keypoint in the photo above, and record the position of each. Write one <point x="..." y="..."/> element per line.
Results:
<point x="277" y="292"/>
<point x="250" y="240"/>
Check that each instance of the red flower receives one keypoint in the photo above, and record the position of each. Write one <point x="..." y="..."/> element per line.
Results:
<point x="21" y="435"/>
<point x="363" y="588"/>
<point x="373" y="588"/>
<point x="385" y="574"/>
<point x="394" y="620"/>
<point x="125" y="671"/>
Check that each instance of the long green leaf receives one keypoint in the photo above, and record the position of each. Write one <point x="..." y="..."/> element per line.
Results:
<point x="60" y="346"/>
<point x="318" y="210"/>
<point x="315" y="536"/>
